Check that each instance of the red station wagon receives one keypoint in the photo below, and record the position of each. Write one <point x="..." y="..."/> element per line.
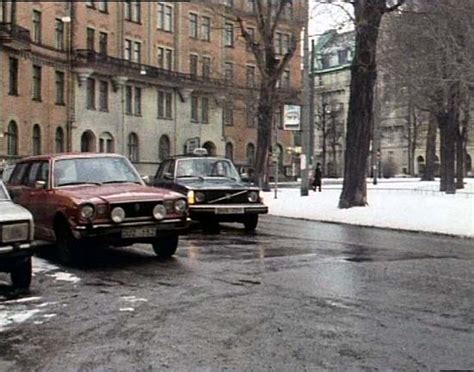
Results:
<point x="99" y="198"/>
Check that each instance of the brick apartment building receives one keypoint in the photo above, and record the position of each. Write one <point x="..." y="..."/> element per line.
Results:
<point x="145" y="79"/>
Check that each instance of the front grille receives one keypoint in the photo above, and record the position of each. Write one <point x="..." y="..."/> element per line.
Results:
<point x="229" y="196"/>
<point x="137" y="209"/>
<point x="18" y="231"/>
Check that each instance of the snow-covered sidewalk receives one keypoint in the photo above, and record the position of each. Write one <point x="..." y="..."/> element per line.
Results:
<point x="404" y="204"/>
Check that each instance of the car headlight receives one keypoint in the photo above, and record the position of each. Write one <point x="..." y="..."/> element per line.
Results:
<point x="199" y="197"/>
<point x="87" y="211"/>
<point x="159" y="212"/>
<point x="180" y="206"/>
<point x="253" y="197"/>
<point x="117" y="214"/>
<point x="191" y="199"/>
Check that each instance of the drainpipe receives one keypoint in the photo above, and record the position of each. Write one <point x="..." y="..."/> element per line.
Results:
<point x="70" y="97"/>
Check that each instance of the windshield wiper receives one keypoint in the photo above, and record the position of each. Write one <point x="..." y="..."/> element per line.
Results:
<point x="80" y="183"/>
<point x="228" y="177"/>
<point x="121" y="181"/>
<point x="190" y="176"/>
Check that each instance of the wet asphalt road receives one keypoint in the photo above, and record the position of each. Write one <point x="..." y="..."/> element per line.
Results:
<point x="296" y="295"/>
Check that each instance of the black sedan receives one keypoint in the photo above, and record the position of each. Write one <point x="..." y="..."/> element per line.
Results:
<point x="215" y="191"/>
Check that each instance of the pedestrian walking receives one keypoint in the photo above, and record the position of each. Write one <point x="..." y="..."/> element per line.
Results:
<point x="318" y="174"/>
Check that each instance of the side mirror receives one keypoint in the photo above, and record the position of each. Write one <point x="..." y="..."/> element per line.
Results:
<point x="146" y="179"/>
<point x="245" y="177"/>
<point x="168" y="176"/>
<point x="40" y="185"/>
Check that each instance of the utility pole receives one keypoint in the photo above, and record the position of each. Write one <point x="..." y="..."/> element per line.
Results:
<point x="311" y="108"/>
<point x="305" y="115"/>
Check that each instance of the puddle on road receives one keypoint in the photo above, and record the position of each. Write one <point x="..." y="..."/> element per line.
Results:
<point x="388" y="258"/>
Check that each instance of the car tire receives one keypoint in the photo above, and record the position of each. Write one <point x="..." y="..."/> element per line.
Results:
<point x="166" y="247"/>
<point x="21" y="274"/>
<point x="69" y="250"/>
<point x="251" y="222"/>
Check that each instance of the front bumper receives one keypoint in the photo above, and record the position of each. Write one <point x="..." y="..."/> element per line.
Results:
<point x="114" y="231"/>
<point x="12" y="254"/>
<point x="226" y="211"/>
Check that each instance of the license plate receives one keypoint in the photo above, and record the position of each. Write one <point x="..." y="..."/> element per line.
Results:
<point x="229" y="210"/>
<point x="139" y="232"/>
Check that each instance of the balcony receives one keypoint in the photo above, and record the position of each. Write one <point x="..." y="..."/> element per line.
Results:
<point x="121" y="67"/>
<point x="14" y="36"/>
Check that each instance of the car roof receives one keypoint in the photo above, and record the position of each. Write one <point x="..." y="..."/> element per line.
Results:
<point x="179" y="157"/>
<point x="69" y="155"/>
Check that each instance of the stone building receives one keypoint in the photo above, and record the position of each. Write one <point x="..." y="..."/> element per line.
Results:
<point x="396" y="127"/>
<point x="145" y="79"/>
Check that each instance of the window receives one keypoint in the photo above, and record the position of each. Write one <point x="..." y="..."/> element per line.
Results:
<point x="279" y="43"/>
<point x="88" y="142"/>
<point x="228" y="115"/>
<point x="193" y="64"/>
<point x="342" y="56"/>
<point x="137" y="52"/>
<point x="132" y="11"/>
<point x="36" y="83"/>
<point x="250" y="154"/>
<point x="128" y="100"/>
<point x="59" y="34"/>
<point x="103" y="43"/>
<point x="133" y="151"/>
<point x="13" y="77"/>
<point x="103" y="6"/>
<point x="59" y="140"/>
<point x="165" y="58"/>
<point x="228" y="71"/>
<point x="12" y="139"/>
<point x="251" y="32"/>
<point x="205" y="109"/>
<point x="193" y="25"/>
<point x="106" y="143"/>
<point x="138" y="101"/>
<point x="59" y="88"/>
<point x="286" y="43"/>
<point x="285" y="79"/>
<point x="206" y="67"/>
<point x="229" y="151"/>
<point x="103" y="96"/>
<point x="165" y="17"/>
<point x="250" y="76"/>
<point x="251" y="6"/>
<point x="36" y="139"/>
<point x="165" y="105"/>
<point x="90" y="42"/>
<point x="206" y="28"/>
<point x="90" y="4"/>
<point x="164" y="148"/>
<point x="229" y="35"/>
<point x="252" y="118"/>
<point x="194" y="109"/>
<point x="229" y="3"/>
<point x="128" y="50"/>
<point x="90" y="94"/>
<point x="36" y="26"/>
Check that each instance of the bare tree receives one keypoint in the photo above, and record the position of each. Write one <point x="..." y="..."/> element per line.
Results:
<point x="368" y="16"/>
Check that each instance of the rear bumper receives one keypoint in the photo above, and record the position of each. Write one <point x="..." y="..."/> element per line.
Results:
<point x="226" y="212"/>
<point x="113" y="232"/>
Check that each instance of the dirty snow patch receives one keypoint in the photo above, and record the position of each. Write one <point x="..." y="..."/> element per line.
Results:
<point x="65" y="277"/>
<point x="22" y="300"/>
<point x="10" y="317"/>
<point x="129" y="309"/>
<point x="133" y="299"/>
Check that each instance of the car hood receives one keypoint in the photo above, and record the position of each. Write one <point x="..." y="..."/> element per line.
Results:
<point x="10" y="211"/>
<point x="214" y="184"/>
<point x="117" y="193"/>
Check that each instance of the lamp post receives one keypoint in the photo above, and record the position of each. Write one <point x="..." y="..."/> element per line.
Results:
<point x="305" y="114"/>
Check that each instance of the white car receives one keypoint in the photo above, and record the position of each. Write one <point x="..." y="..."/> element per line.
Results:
<point x="16" y="236"/>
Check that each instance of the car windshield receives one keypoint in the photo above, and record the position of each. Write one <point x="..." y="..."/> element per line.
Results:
<point x="206" y="167"/>
<point x="96" y="171"/>
<point x="3" y="193"/>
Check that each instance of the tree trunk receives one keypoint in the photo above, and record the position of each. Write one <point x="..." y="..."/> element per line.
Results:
<point x="429" y="173"/>
<point x="442" y="123"/>
<point x="460" y="156"/>
<point x="360" y="115"/>
<point x="450" y="140"/>
<point x="264" y="135"/>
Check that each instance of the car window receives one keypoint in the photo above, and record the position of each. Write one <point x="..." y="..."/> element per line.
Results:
<point x="3" y="192"/>
<point x="206" y="167"/>
<point x="33" y="174"/>
<point x="43" y="172"/>
<point x="19" y="173"/>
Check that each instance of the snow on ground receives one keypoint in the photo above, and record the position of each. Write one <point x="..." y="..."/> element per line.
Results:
<point x="404" y="204"/>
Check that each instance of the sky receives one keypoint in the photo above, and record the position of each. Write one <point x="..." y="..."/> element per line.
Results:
<point x="324" y="16"/>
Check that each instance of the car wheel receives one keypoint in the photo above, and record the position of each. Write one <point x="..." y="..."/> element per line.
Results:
<point x="166" y="247"/>
<point x="68" y="248"/>
<point x="21" y="274"/>
<point x="251" y="222"/>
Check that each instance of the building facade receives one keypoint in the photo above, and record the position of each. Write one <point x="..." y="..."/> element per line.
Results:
<point x="145" y="79"/>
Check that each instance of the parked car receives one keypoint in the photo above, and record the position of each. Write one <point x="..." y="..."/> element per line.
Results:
<point x="215" y="191"/>
<point x="16" y="235"/>
<point x="96" y="197"/>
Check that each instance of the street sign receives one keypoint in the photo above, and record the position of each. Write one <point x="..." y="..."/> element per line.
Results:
<point x="292" y="117"/>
